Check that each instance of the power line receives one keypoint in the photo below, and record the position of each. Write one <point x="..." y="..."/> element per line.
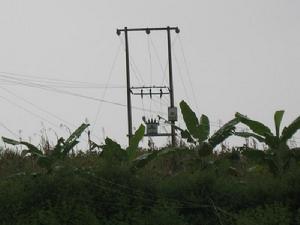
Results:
<point x="188" y="72"/>
<point x="9" y="130"/>
<point x="49" y="80"/>
<point x="15" y="80"/>
<point x="30" y="112"/>
<point x="37" y="107"/>
<point x="99" y="108"/>
<point x="47" y="88"/>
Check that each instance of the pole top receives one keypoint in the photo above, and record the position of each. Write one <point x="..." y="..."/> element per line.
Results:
<point x="148" y="30"/>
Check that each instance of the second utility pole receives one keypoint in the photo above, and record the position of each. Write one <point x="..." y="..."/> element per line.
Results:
<point x="171" y="85"/>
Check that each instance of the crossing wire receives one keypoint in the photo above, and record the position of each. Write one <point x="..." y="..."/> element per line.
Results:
<point x="9" y="130"/>
<point x="100" y="104"/>
<point x="48" y="88"/>
<point x="37" y="107"/>
<point x="34" y="114"/>
<point x="135" y="70"/>
<point x="7" y="76"/>
<point x="181" y="77"/>
<point x="29" y="111"/>
<point x="188" y="72"/>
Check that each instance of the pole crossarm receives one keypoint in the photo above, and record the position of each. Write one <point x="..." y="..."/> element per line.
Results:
<point x="150" y="90"/>
<point x="147" y="30"/>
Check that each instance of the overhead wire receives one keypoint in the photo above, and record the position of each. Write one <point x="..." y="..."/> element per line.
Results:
<point x="28" y="111"/>
<point x="37" y="107"/>
<point x="8" y="76"/>
<point x="136" y="72"/>
<point x="188" y="72"/>
<point x="100" y="104"/>
<point x="47" y="88"/>
<point x="9" y="130"/>
<point x="181" y="77"/>
<point x="150" y="65"/>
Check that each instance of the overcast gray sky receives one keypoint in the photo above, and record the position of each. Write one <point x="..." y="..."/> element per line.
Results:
<point x="234" y="55"/>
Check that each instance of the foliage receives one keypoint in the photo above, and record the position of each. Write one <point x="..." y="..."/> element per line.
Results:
<point x="198" y="130"/>
<point x="278" y="157"/>
<point x="263" y="134"/>
<point x="173" y="188"/>
<point x="60" y="150"/>
<point x="113" y="152"/>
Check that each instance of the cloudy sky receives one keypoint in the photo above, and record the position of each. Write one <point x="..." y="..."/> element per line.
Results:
<point x="57" y="57"/>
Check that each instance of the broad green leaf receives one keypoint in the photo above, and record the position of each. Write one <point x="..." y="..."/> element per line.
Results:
<point x="113" y="152"/>
<point x="290" y="130"/>
<point x="10" y="141"/>
<point x="76" y="134"/>
<point x="224" y="132"/>
<point x="31" y="148"/>
<point x="134" y="141"/>
<point x="248" y="135"/>
<point x="272" y="141"/>
<point x="110" y="144"/>
<point x="277" y="119"/>
<point x="255" y="126"/>
<point x="186" y="135"/>
<point x="68" y="147"/>
<point x="204" y="128"/>
<point x="190" y="119"/>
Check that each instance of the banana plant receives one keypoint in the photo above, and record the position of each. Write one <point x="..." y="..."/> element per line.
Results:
<point x="262" y="133"/>
<point x="198" y="131"/>
<point x="278" y="156"/>
<point x="112" y="151"/>
<point x="60" y="150"/>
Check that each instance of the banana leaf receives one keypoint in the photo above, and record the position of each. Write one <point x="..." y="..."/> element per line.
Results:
<point x="190" y="119"/>
<point x="76" y="134"/>
<point x="248" y="135"/>
<point x="113" y="152"/>
<point x="277" y="119"/>
<point x="134" y="142"/>
<point x="224" y="132"/>
<point x="186" y="135"/>
<point x="31" y="148"/>
<point x="255" y="126"/>
<point x="204" y="128"/>
<point x="290" y="130"/>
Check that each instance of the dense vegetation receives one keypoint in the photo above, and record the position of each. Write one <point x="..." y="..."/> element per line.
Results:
<point x="187" y="185"/>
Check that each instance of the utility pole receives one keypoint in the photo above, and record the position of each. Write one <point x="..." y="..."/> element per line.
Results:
<point x="171" y="84"/>
<point x="172" y="111"/>
<point x="129" y="107"/>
